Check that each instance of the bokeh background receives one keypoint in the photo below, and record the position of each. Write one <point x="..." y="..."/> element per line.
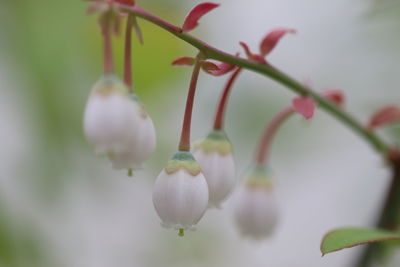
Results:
<point x="60" y="206"/>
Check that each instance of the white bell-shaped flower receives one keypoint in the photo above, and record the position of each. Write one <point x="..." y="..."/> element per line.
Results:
<point x="116" y="123"/>
<point x="214" y="154"/>
<point x="180" y="194"/>
<point x="256" y="212"/>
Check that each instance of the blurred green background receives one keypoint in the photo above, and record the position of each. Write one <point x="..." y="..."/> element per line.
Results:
<point x="62" y="206"/>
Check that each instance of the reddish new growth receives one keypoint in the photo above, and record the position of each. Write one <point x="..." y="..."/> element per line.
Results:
<point x="335" y="95"/>
<point x="209" y="66"/>
<point x="304" y="105"/>
<point x="384" y="116"/>
<point x="184" y="61"/>
<point x="105" y="5"/>
<point x="267" y="44"/>
<point x="191" y="20"/>
<point x="216" y="69"/>
<point x="271" y="40"/>
<point x="224" y="68"/>
<point x="126" y="2"/>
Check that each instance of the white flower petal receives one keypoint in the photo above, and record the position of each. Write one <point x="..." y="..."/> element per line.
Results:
<point x="116" y="124"/>
<point x="139" y="148"/>
<point x="219" y="171"/>
<point x="180" y="199"/>
<point x="256" y="213"/>
<point x="108" y="120"/>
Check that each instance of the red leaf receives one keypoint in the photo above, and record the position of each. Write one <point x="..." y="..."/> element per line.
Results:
<point x="191" y="20"/>
<point x="250" y="55"/>
<point x="209" y="66"/>
<point x="384" y="116"/>
<point x="272" y="38"/>
<point x="335" y="95"/>
<point x="184" y="61"/>
<point x="246" y="49"/>
<point x="224" y="68"/>
<point x="96" y="7"/>
<point x="126" y="2"/>
<point x="305" y="106"/>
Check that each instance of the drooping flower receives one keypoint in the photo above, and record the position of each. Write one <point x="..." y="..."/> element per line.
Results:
<point x="141" y="145"/>
<point x="256" y="211"/>
<point x="180" y="194"/>
<point x="116" y="123"/>
<point x="215" y="157"/>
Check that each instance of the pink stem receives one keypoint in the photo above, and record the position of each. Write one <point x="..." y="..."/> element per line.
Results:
<point x="108" y="58"/>
<point x="269" y="133"/>
<point x="219" y="115"/>
<point x="184" y="144"/>
<point x="128" y="53"/>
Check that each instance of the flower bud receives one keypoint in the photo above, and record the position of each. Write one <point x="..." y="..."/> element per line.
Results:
<point x="180" y="194"/>
<point x="215" y="157"/>
<point x="256" y="212"/>
<point x="116" y="123"/>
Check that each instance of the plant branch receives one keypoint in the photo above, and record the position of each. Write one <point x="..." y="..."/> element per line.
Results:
<point x="389" y="218"/>
<point x="265" y="69"/>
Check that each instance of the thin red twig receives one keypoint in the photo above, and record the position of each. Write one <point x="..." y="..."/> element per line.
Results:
<point x="184" y="144"/>
<point x="219" y="115"/>
<point x="269" y="133"/>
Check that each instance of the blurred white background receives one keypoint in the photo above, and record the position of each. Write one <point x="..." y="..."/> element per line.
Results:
<point x="62" y="206"/>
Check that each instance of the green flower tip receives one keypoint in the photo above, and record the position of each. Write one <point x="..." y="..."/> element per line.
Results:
<point x="216" y="141"/>
<point x="140" y="105"/>
<point x="108" y="84"/>
<point x="181" y="232"/>
<point x="259" y="177"/>
<point x="183" y="160"/>
<point x="111" y="84"/>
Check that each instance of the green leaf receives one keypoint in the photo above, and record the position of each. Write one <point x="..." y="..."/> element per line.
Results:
<point x="353" y="236"/>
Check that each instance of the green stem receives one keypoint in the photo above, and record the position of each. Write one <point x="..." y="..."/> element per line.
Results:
<point x="267" y="70"/>
<point x="389" y="219"/>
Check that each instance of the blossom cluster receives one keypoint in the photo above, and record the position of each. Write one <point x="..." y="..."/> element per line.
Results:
<point x="198" y="176"/>
<point x="202" y="175"/>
